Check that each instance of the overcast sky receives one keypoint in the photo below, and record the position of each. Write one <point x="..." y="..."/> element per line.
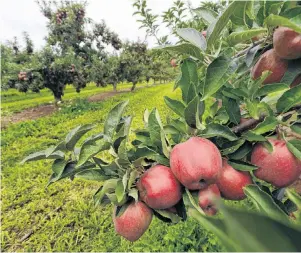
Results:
<point x="17" y="16"/>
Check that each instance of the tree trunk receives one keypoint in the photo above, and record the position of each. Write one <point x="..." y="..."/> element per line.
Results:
<point x="134" y="86"/>
<point x="57" y="97"/>
<point x="115" y="87"/>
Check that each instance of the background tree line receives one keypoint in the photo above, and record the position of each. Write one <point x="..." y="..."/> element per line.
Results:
<point x="78" y="51"/>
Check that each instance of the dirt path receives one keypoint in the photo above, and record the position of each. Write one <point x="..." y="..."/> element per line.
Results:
<point x="45" y="110"/>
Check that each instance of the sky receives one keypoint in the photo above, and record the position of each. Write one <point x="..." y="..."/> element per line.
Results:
<point x="17" y="16"/>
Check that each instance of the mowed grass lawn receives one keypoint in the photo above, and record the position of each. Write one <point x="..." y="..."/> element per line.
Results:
<point x="13" y="101"/>
<point x="62" y="217"/>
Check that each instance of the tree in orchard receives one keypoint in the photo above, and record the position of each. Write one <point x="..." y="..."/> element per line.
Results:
<point x="134" y="60"/>
<point x="16" y="62"/>
<point x="231" y="136"/>
<point x="71" y="48"/>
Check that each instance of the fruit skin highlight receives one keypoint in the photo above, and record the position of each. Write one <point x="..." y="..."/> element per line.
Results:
<point x="280" y="167"/>
<point x="272" y="62"/>
<point x="207" y="197"/>
<point x="287" y="43"/>
<point x="134" y="221"/>
<point x="196" y="163"/>
<point x="231" y="182"/>
<point x="159" y="188"/>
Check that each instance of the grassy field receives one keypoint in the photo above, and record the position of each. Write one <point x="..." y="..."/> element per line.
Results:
<point x="14" y="101"/>
<point x="62" y="217"/>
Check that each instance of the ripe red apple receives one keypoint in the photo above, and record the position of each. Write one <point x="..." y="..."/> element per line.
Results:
<point x="196" y="163"/>
<point x="230" y="182"/>
<point x="287" y="43"/>
<point x="159" y="188"/>
<point x="173" y="63"/>
<point x="280" y="167"/>
<point x="134" y="221"/>
<point x="272" y="62"/>
<point x="206" y="199"/>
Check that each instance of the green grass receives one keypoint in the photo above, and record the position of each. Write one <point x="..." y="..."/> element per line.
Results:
<point x="77" y="226"/>
<point x="13" y="101"/>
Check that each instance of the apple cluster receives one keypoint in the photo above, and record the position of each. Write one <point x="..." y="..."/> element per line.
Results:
<point x="286" y="47"/>
<point x="22" y="76"/>
<point x="197" y="164"/>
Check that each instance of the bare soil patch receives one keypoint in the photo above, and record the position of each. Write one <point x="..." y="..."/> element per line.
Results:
<point x="45" y="110"/>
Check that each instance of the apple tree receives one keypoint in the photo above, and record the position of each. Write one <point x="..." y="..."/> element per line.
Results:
<point x="234" y="134"/>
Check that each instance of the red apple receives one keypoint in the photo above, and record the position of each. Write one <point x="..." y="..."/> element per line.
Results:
<point x="173" y="63"/>
<point x="134" y="221"/>
<point x="159" y="188"/>
<point x="231" y="182"/>
<point x="196" y="163"/>
<point x="280" y="167"/>
<point x="207" y="197"/>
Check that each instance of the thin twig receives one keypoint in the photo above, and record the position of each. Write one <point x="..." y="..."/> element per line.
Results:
<point x="249" y="124"/>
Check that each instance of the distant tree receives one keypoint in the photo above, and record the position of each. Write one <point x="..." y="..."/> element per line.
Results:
<point x="134" y="59"/>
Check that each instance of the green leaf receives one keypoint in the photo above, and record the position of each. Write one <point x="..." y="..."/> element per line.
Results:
<point x="209" y="16"/>
<point x="75" y="134"/>
<point x="231" y="147"/>
<point x="42" y="155"/>
<point x="265" y="203"/>
<point x="269" y="88"/>
<point x="289" y="99"/>
<point x="132" y="178"/>
<point x="233" y="110"/>
<point x="267" y="125"/>
<point x="58" y="167"/>
<point x="177" y="106"/>
<point x="69" y="171"/>
<point x="119" y="191"/>
<point x="188" y="77"/>
<point x="216" y="130"/>
<point x="239" y="16"/>
<point x="218" y="72"/>
<point x="250" y="136"/>
<point x="242" y="152"/>
<point x="216" y="226"/>
<point x="59" y="147"/>
<point x="293" y="70"/>
<point x="295" y="147"/>
<point x="123" y="159"/>
<point x="255" y="232"/>
<point x="108" y="187"/>
<point x="294" y="202"/>
<point x="296" y="128"/>
<point x="292" y="12"/>
<point x="134" y="194"/>
<point x="295" y="197"/>
<point x="193" y="112"/>
<point x="190" y="197"/>
<point x="113" y="119"/>
<point x="242" y="166"/>
<point x="91" y="147"/>
<point x="222" y="21"/>
<point x="169" y="215"/>
<point x="193" y="36"/>
<point x="274" y="20"/>
<point x="92" y="174"/>
<point x="155" y="127"/>
<point x="238" y="37"/>
<point x="251" y="54"/>
<point x="186" y="49"/>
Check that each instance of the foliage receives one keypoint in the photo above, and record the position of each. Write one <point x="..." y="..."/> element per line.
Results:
<point x="66" y="221"/>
